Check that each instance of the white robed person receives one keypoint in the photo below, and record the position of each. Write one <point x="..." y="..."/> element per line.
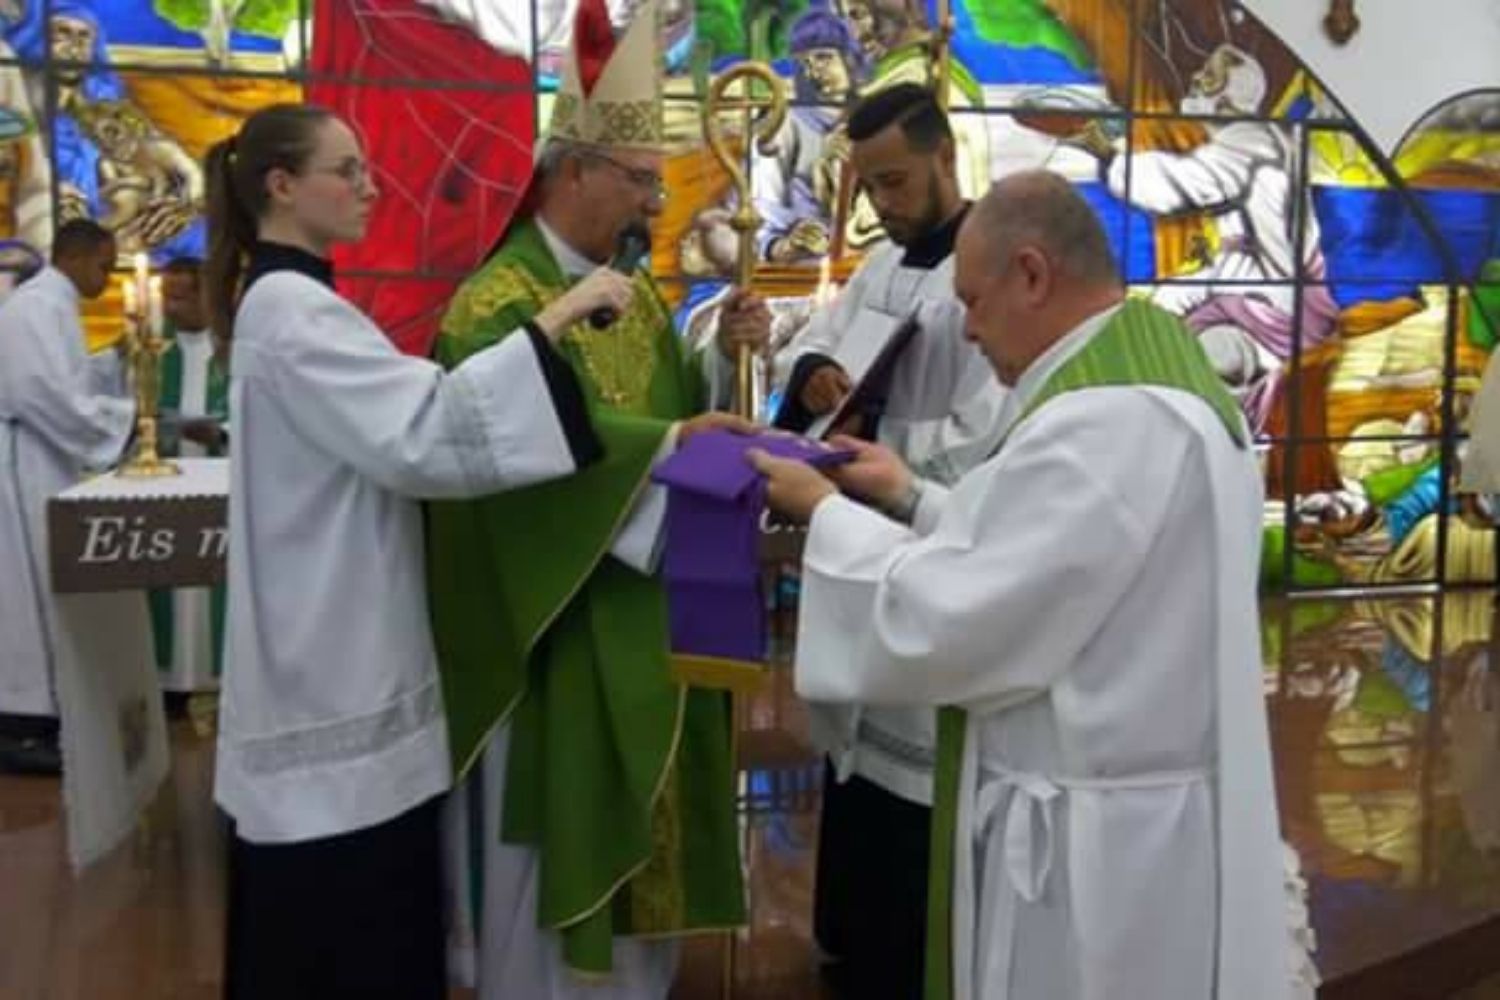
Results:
<point x="939" y="410"/>
<point x="1083" y="608"/>
<point x="54" y="428"/>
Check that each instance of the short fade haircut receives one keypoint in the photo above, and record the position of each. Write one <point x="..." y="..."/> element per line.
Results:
<point x="1042" y="209"/>
<point x="78" y="238"/>
<point x="910" y="105"/>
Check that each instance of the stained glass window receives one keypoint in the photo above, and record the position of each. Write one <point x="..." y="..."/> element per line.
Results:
<point x="1349" y="299"/>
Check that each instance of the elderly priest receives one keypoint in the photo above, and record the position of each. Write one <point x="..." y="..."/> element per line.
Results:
<point x="1083" y="608"/>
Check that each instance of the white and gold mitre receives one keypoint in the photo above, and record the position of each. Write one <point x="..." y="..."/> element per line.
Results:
<point x="621" y="106"/>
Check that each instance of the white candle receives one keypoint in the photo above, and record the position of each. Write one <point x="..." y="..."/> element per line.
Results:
<point x="131" y="304"/>
<point x="155" y="315"/>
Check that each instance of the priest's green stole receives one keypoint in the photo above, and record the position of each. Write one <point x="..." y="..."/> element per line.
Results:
<point x="1141" y="345"/>
<point x="163" y="613"/>
<point x="617" y="776"/>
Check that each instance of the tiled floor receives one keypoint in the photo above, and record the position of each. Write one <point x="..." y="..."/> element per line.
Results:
<point x="1386" y="721"/>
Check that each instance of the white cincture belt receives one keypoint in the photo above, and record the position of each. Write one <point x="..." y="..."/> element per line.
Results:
<point x="1019" y="871"/>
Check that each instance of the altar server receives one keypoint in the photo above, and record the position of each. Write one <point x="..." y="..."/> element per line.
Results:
<point x="940" y="414"/>
<point x="1083" y="606"/>
<point x="53" y="427"/>
<point x="333" y="751"/>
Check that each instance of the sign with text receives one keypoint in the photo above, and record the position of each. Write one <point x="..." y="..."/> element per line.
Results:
<point x="135" y="543"/>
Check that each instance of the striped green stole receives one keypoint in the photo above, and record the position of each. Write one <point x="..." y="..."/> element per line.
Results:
<point x="1141" y="345"/>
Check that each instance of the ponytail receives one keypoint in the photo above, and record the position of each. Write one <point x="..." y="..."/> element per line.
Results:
<point x="231" y="234"/>
<point x="282" y="136"/>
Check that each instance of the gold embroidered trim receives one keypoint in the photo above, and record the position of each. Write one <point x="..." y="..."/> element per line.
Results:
<point x="620" y="360"/>
<point x="717" y="673"/>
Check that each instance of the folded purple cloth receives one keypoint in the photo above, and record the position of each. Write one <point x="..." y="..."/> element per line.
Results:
<point x="714" y="464"/>
<point x="712" y="560"/>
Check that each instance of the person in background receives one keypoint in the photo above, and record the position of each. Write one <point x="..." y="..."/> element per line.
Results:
<point x="54" y="427"/>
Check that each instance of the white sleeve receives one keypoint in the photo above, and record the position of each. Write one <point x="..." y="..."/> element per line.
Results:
<point x="931" y="503"/>
<point x="638" y="542"/>
<point x="488" y="425"/>
<point x="825" y="331"/>
<point x="50" y="389"/>
<point x="1026" y="561"/>
<point x="107" y="373"/>
<point x="945" y="407"/>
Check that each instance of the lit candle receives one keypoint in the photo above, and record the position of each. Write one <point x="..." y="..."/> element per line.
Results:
<point x="131" y="303"/>
<point x="155" y="315"/>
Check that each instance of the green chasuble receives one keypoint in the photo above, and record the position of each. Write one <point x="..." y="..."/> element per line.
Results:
<point x="617" y="775"/>
<point x="1141" y="345"/>
<point x="163" y="612"/>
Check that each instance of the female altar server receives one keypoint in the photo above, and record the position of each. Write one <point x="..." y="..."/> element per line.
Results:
<point x="333" y="750"/>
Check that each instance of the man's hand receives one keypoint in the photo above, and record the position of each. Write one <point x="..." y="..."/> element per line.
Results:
<point x="714" y="421"/>
<point x="793" y="489"/>
<point x="876" y="474"/>
<point x="604" y="289"/>
<point x="825" y="390"/>
<point x="743" y="319"/>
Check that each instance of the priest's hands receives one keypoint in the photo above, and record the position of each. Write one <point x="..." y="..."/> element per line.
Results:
<point x="825" y="389"/>
<point x="745" y="319"/>
<point x="793" y="489"/>
<point x="714" y="421"/>
<point x="876" y="474"/>
<point x="604" y="289"/>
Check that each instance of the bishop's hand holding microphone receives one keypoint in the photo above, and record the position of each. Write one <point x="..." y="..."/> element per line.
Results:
<point x="605" y="294"/>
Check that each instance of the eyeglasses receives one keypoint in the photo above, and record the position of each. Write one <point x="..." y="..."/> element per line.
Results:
<point x="646" y="180"/>
<point x="356" y="172"/>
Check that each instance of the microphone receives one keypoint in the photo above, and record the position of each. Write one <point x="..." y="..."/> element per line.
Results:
<point x="632" y="247"/>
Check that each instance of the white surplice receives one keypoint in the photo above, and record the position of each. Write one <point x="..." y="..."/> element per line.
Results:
<point x="332" y="716"/>
<point x="86" y="658"/>
<point x="53" y="427"/>
<point x="1088" y="595"/>
<point x="943" y="418"/>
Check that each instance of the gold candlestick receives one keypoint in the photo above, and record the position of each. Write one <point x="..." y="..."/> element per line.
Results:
<point x="146" y="346"/>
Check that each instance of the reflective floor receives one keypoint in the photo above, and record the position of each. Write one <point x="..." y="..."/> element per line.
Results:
<point x="1386" y="722"/>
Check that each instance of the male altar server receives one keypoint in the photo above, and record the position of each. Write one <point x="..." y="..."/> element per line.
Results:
<point x="52" y="428"/>
<point x="1083" y="605"/>
<point x="941" y="417"/>
<point x="601" y="808"/>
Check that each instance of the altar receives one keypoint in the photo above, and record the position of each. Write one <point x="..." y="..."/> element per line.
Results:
<point x="110" y="539"/>
<point x="117" y="533"/>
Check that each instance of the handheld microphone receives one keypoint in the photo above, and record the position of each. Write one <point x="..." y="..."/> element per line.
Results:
<point x="632" y="247"/>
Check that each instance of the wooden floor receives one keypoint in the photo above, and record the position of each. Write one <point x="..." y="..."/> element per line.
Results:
<point x="1386" y="721"/>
